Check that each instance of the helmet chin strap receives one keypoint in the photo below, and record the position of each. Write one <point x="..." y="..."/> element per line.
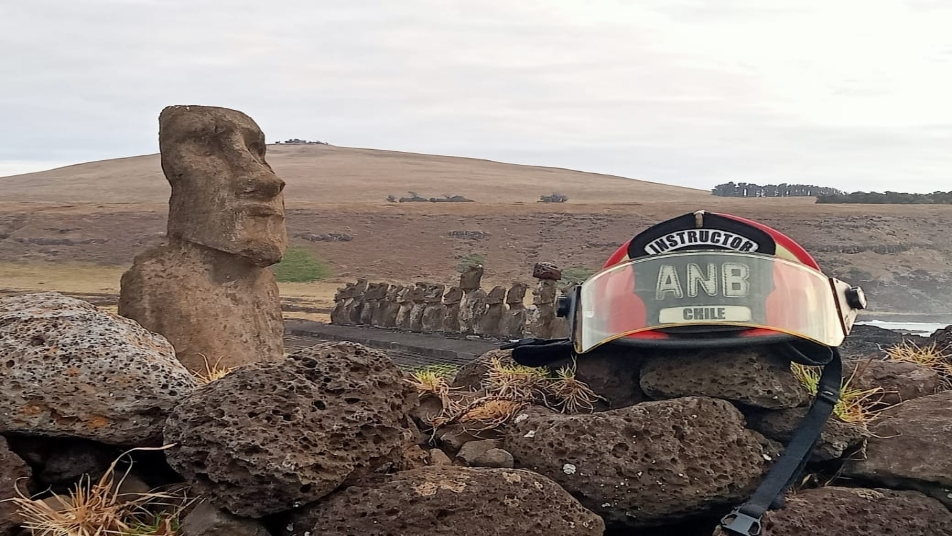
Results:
<point x="745" y="520"/>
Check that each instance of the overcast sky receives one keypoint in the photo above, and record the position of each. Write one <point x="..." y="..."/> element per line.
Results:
<point x="843" y="93"/>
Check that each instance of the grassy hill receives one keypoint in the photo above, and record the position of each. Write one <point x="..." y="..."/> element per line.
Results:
<point x="319" y="174"/>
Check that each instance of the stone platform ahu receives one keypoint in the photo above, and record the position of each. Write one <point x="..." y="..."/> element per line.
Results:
<point x="465" y="309"/>
<point x="207" y="288"/>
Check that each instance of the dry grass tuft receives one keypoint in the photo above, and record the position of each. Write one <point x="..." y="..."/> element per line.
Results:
<point x="212" y="372"/>
<point x="99" y="509"/>
<point x="939" y="360"/>
<point x="854" y="406"/>
<point x="489" y="413"/>
<point x="434" y="380"/>
<point x="571" y="394"/>
<point x="515" y="382"/>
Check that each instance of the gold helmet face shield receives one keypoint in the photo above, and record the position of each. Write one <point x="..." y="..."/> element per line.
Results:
<point x="712" y="290"/>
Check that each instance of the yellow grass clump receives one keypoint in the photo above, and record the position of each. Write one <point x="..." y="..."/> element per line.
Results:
<point x="434" y="380"/>
<point x="515" y="382"/>
<point x="939" y="360"/>
<point x="100" y="509"/>
<point x="854" y="405"/>
<point x="571" y="394"/>
<point x="212" y="372"/>
<point x="488" y="413"/>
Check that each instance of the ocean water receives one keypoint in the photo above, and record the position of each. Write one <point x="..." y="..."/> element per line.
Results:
<point x="913" y="328"/>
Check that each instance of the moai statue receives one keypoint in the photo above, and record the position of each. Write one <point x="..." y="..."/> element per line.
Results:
<point x="356" y="302"/>
<point x="434" y="312"/>
<point x="451" y="301"/>
<point x="375" y="292"/>
<point x="542" y="318"/>
<point x="490" y="323"/>
<point x="207" y="288"/>
<point x="338" y="315"/>
<point x="514" y="324"/>
<point x="416" y="312"/>
<point x="473" y="306"/>
<point x="405" y="299"/>
<point x="388" y="315"/>
<point x="470" y="279"/>
<point x="379" y="315"/>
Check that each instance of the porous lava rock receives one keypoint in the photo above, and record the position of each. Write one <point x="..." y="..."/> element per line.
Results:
<point x="753" y="376"/>
<point x="942" y="338"/>
<point x="647" y="464"/>
<point x="470" y="377"/>
<point x="857" y="512"/>
<point x="909" y="447"/>
<point x="13" y="471"/>
<point x="70" y="370"/>
<point x="895" y="381"/>
<point x="836" y="438"/>
<point x="449" y="501"/>
<point x="206" y="520"/>
<point x="272" y="436"/>
<point x="612" y="374"/>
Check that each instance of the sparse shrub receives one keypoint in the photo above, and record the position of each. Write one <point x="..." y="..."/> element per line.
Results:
<point x="391" y="198"/>
<point x="447" y="198"/>
<point x="555" y="197"/>
<point x="470" y="261"/>
<point x="414" y="198"/>
<point x="300" y="266"/>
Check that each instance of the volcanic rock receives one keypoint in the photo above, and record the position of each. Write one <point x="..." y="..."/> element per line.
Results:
<point x="647" y="464"/>
<point x="749" y="376"/>
<point x="71" y="370"/>
<point x="272" y="436"/>
<point x="450" y="501"/>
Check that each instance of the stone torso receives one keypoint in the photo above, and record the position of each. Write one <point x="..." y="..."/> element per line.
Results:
<point x="206" y="303"/>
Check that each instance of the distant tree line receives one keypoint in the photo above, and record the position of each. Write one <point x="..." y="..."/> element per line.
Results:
<point x="744" y="189"/>
<point x="891" y="198"/>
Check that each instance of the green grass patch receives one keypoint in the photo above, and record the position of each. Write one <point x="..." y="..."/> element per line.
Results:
<point x="470" y="261"/>
<point x="577" y="274"/>
<point x="300" y="266"/>
<point x="446" y="371"/>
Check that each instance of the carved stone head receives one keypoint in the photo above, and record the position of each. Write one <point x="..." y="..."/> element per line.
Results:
<point x="517" y="294"/>
<point x="434" y="293"/>
<point x="496" y="296"/>
<point x="453" y="296"/>
<point x="225" y="196"/>
<point x="471" y="278"/>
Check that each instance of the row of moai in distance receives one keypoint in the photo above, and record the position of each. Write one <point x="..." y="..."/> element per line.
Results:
<point x="465" y="309"/>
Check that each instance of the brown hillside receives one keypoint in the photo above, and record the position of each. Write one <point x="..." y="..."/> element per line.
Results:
<point x="56" y="226"/>
<point x="328" y="174"/>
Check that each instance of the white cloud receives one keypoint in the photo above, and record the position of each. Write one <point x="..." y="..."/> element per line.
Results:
<point x="850" y="93"/>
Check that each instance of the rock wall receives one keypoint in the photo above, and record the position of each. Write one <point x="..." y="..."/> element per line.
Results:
<point x="335" y="439"/>
<point x="465" y="309"/>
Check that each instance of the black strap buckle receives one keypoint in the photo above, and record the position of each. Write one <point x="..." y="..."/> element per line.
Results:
<point x="829" y="396"/>
<point x="738" y="522"/>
